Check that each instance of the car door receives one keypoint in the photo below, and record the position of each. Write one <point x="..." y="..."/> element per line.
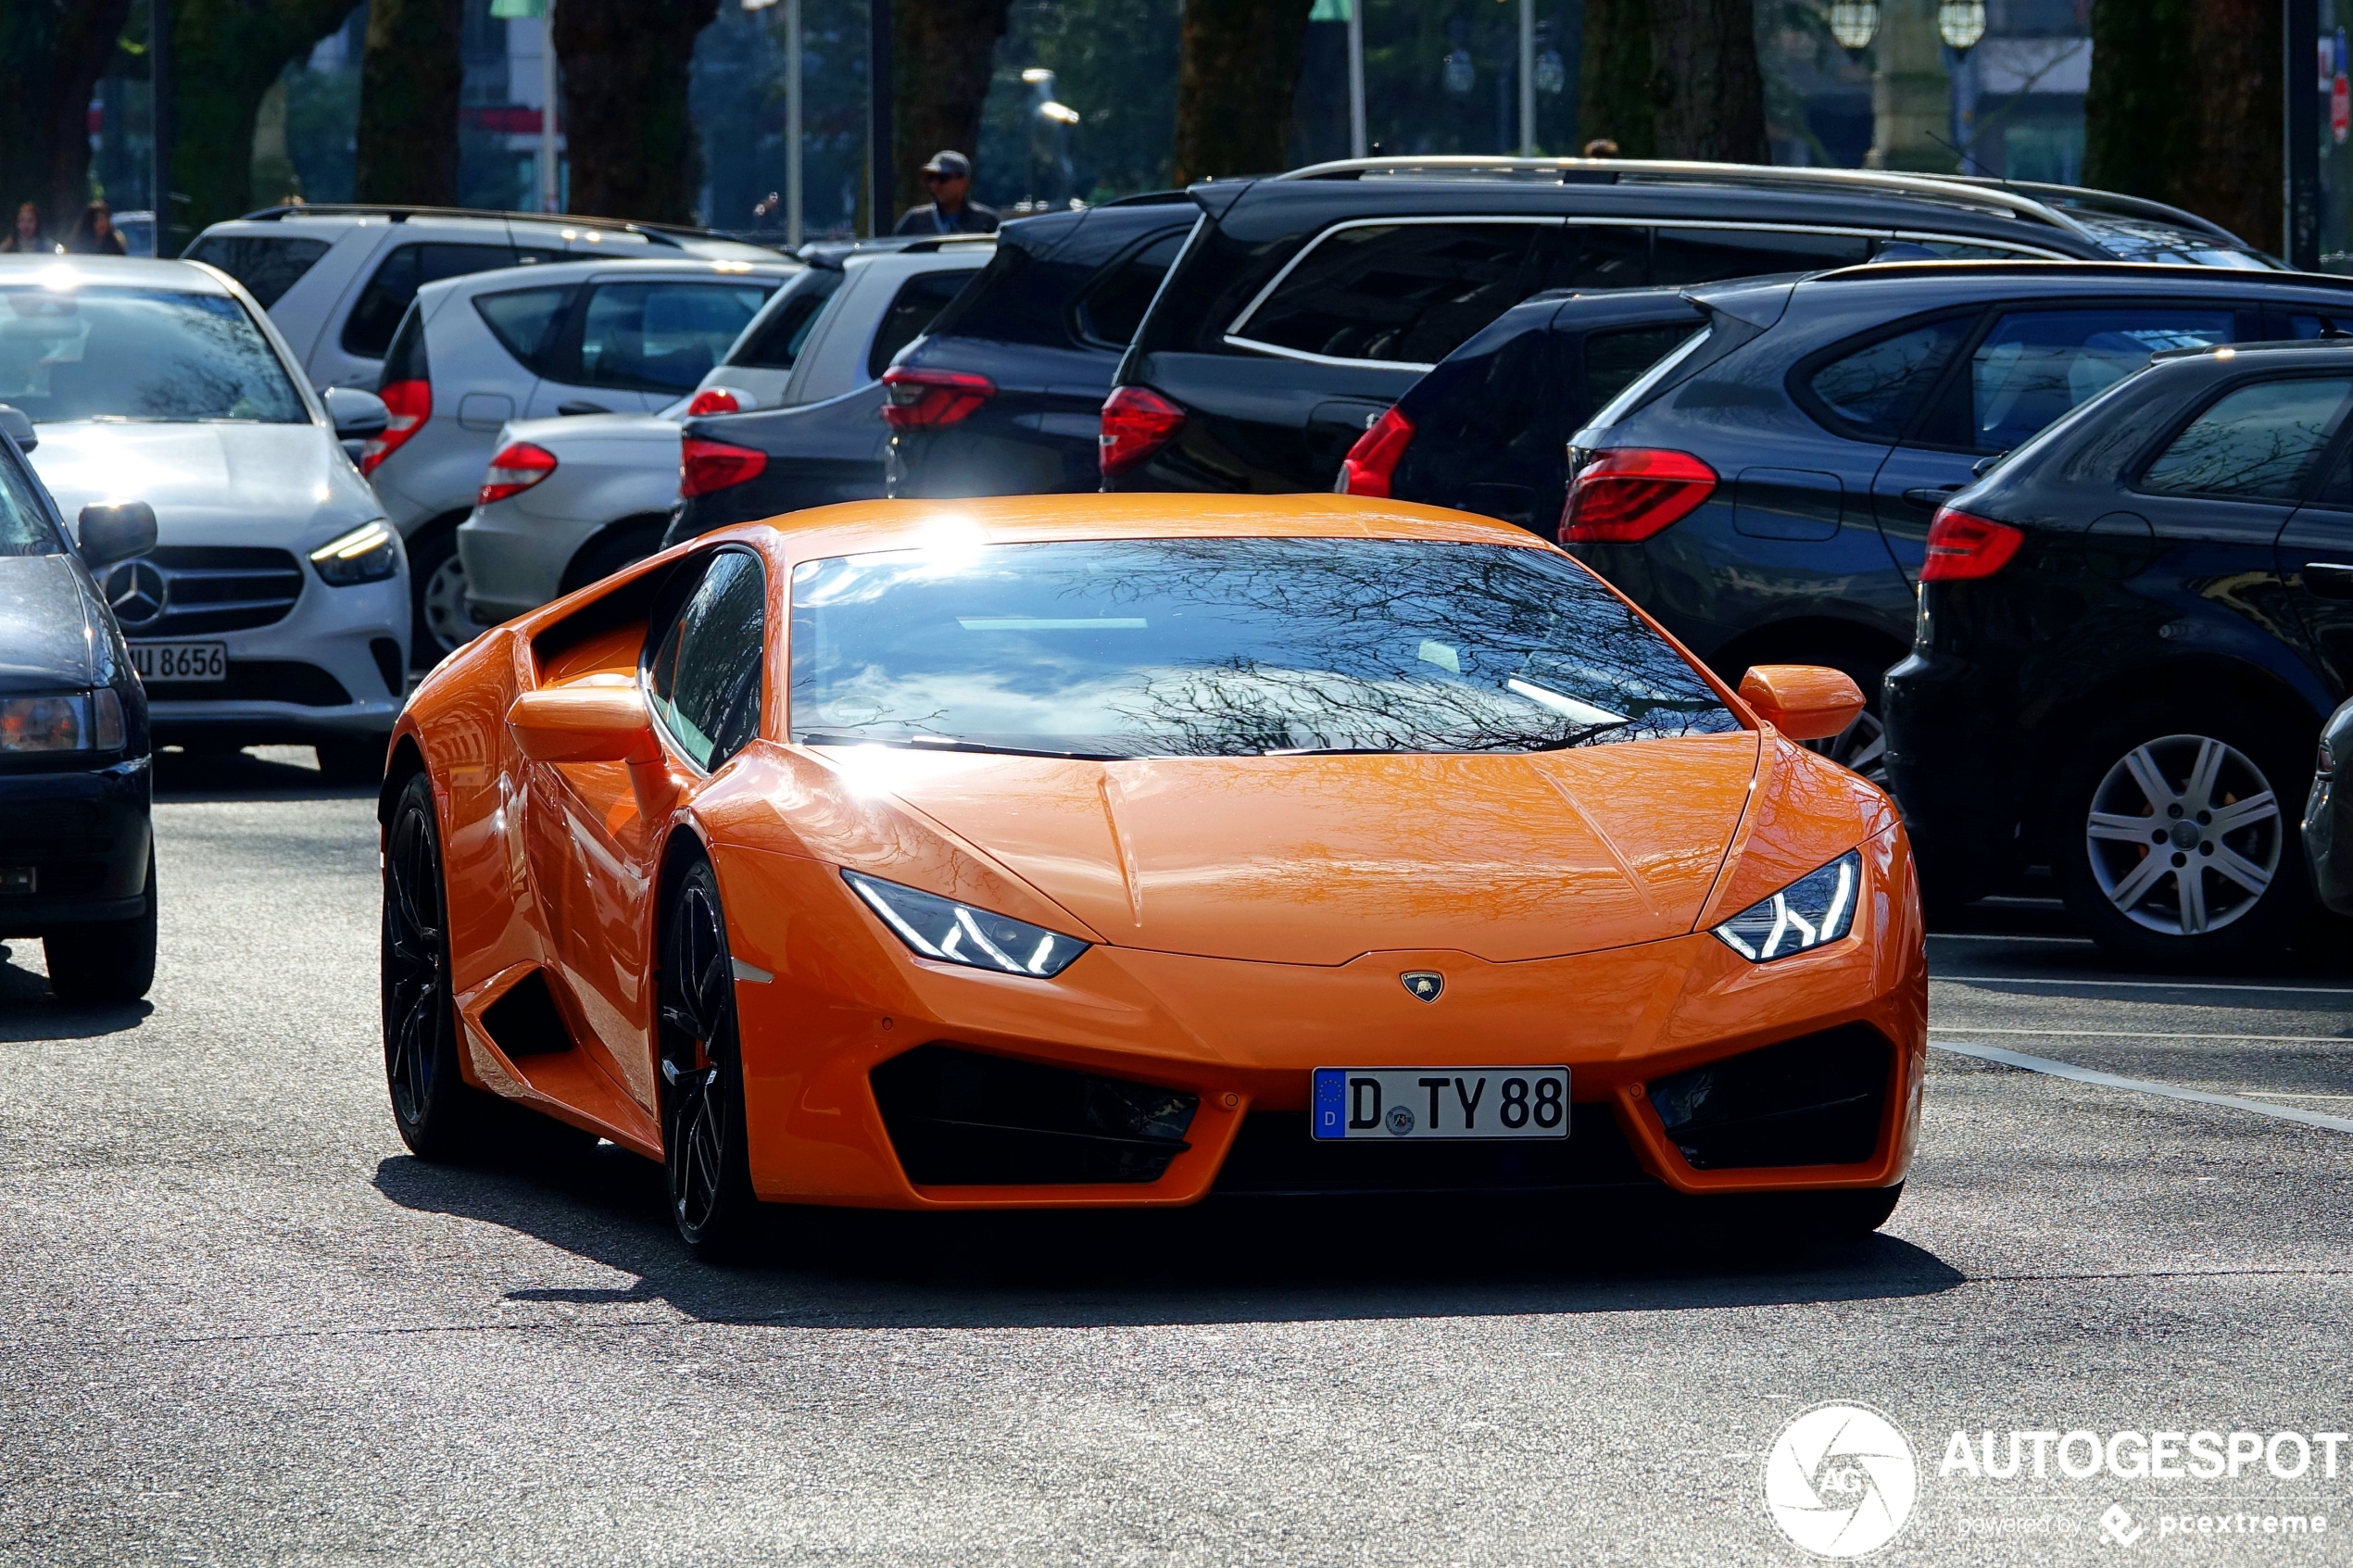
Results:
<point x="2314" y="553"/>
<point x="2025" y="367"/>
<point x="632" y="344"/>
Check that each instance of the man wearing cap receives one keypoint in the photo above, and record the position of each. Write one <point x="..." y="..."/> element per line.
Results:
<point x="949" y="177"/>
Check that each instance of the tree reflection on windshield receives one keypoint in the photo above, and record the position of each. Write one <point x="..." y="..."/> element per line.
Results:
<point x="1223" y="647"/>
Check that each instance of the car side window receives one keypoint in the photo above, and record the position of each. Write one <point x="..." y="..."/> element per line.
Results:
<point x="1682" y="256"/>
<point x="527" y="321"/>
<point x="660" y="337"/>
<point x="1406" y="293"/>
<point x="1601" y="256"/>
<point x="368" y="330"/>
<point x="705" y="678"/>
<point x="1613" y="358"/>
<point x="268" y="265"/>
<point x="919" y="302"/>
<point x="24" y="526"/>
<point x="2036" y="365"/>
<point x="2255" y="443"/>
<point x="775" y="342"/>
<point x="1110" y="312"/>
<point x="1874" y="389"/>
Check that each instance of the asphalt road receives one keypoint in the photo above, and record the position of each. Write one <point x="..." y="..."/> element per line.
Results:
<point x="238" y="1324"/>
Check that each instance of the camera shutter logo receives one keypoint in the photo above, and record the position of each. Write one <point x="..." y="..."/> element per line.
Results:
<point x="1841" y="1480"/>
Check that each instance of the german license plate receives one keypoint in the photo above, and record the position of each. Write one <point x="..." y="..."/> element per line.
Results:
<point x="180" y="661"/>
<point x="1440" y="1102"/>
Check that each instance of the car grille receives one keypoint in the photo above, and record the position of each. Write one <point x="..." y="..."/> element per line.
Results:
<point x="1815" y="1100"/>
<point x="1274" y="1156"/>
<point x="205" y="588"/>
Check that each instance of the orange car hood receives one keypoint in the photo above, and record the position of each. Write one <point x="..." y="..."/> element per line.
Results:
<point x="1316" y="860"/>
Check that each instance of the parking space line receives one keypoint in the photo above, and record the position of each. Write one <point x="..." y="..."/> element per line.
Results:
<point x="2151" y="1035"/>
<point x="2146" y="984"/>
<point x="2141" y="1085"/>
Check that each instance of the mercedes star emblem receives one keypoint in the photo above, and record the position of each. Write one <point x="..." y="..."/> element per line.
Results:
<point x="136" y="591"/>
<point x="1425" y="983"/>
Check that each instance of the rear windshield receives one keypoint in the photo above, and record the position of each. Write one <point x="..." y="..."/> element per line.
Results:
<point x="777" y="334"/>
<point x="267" y="264"/>
<point x="139" y="354"/>
<point x="1229" y="647"/>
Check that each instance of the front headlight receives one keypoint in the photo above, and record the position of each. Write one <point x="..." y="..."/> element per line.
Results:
<point x="1816" y="908"/>
<point x="63" y="721"/>
<point x="952" y="933"/>
<point x="367" y="553"/>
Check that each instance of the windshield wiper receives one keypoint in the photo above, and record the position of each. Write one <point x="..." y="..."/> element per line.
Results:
<point x="953" y="743"/>
<point x="1512" y="743"/>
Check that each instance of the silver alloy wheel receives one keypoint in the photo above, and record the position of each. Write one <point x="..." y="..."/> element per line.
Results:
<point x="443" y="603"/>
<point x="2185" y="834"/>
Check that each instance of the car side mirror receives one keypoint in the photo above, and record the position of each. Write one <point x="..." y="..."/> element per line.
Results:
<point x="356" y="413"/>
<point x="1803" y="701"/>
<point x="18" y="424"/>
<point x="116" y="530"/>
<point x="597" y="723"/>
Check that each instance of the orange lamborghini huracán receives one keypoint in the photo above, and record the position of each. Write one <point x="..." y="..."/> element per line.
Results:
<point x="1093" y="849"/>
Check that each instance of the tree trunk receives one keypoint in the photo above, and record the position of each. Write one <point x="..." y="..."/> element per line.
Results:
<point x="2185" y="107"/>
<point x="1709" y="90"/>
<point x="409" y="84"/>
<point x="625" y="66"/>
<point x="87" y="33"/>
<point x="52" y="53"/>
<point x="225" y="55"/>
<point x="1614" y="101"/>
<point x="941" y="56"/>
<point x="1236" y="67"/>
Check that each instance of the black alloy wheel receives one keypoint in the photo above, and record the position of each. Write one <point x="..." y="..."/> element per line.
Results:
<point x="703" y="1138"/>
<point x="108" y="960"/>
<point x="438" y="1114"/>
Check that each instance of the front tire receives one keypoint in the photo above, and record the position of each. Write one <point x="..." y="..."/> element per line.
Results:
<point x="705" y="1148"/>
<point x="438" y="1114"/>
<point x="110" y="961"/>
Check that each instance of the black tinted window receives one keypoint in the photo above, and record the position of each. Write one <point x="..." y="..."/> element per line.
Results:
<point x="1111" y="311"/>
<point x="1227" y="647"/>
<point x="662" y="336"/>
<point x="2259" y="441"/>
<point x="920" y="301"/>
<point x="397" y="278"/>
<point x="1875" y="388"/>
<point x="1706" y="256"/>
<point x="1613" y="358"/>
<point x="1601" y="256"/>
<point x="267" y="264"/>
<point x="776" y="337"/>
<point x="1406" y="293"/>
<point x="703" y="681"/>
<point x="2036" y="365"/>
<point x="405" y="360"/>
<point x="526" y="323"/>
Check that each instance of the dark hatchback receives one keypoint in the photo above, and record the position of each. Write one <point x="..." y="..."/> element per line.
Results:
<point x="1766" y="490"/>
<point x="2129" y="634"/>
<point x="1304" y="305"/>
<point x="77" y="858"/>
<point x="1004" y="395"/>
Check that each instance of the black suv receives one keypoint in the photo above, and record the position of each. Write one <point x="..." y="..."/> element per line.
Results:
<point x="1766" y="489"/>
<point x="2129" y="635"/>
<point x="1303" y="305"/>
<point x="1003" y="395"/>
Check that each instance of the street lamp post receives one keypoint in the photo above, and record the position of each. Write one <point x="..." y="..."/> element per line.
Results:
<point x="550" y="187"/>
<point x="1357" y="143"/>
<point x="1527" y="78"/>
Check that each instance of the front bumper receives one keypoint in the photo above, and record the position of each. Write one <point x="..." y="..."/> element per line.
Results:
<point x="86" y="837"/>
<point x="333" y="667"/>
<point x="846" y="997"/>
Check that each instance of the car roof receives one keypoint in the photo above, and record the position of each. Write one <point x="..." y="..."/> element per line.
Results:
<point x="189" y="277"/>
<point x="393" y="212"/>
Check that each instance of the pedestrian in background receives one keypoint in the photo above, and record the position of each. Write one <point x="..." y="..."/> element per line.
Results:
<point x="949" y="177"/>
<point x="95" y="234"/>
<point x="27" y="239"/>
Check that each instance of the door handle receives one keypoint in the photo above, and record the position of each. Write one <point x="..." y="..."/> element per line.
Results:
<point x="1928" y="497"/>
<point x="2328" y="578"/>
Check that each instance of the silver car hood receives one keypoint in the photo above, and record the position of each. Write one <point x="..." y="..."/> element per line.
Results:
<point x="211" y="484"/>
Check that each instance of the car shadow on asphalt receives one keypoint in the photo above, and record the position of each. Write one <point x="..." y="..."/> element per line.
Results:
<point x="260" y="772"/>
<point x="1224" y="1261"/>
<point x="30" y="1014"/>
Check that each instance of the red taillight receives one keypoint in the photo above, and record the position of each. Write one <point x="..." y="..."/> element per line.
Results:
<point x="714" y="400"/>
<point x="1137" y="422"/>
<point x="913" y="399"/>
<point x="411" y="404"/>
<point x="706" y="466"/>
<point x="1630" y="493"/>
<point x="1961" y="546"/>
<point x="1372" y="462"/>
<point x="516" y="469"/>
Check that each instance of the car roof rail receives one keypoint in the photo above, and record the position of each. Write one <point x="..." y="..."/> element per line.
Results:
<point x="2185" y="271"/>
<point x="661" y="233"/>
<point x="2338" y="343"/>
<point x="1949" y="192"/>
<point x="2109" y="204"/>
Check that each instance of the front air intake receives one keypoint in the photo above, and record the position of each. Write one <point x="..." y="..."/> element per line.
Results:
<point x="1815" y="1100"/>
<point x="962" y="1118"/>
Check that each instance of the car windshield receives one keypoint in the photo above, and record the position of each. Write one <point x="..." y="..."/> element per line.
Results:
<point x="24" y="529"/>
<point x="139" y="354"/>
<point x="1229" y="647"/>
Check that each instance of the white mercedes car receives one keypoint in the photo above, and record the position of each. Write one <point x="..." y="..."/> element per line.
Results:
<point x="275" y="603"/>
